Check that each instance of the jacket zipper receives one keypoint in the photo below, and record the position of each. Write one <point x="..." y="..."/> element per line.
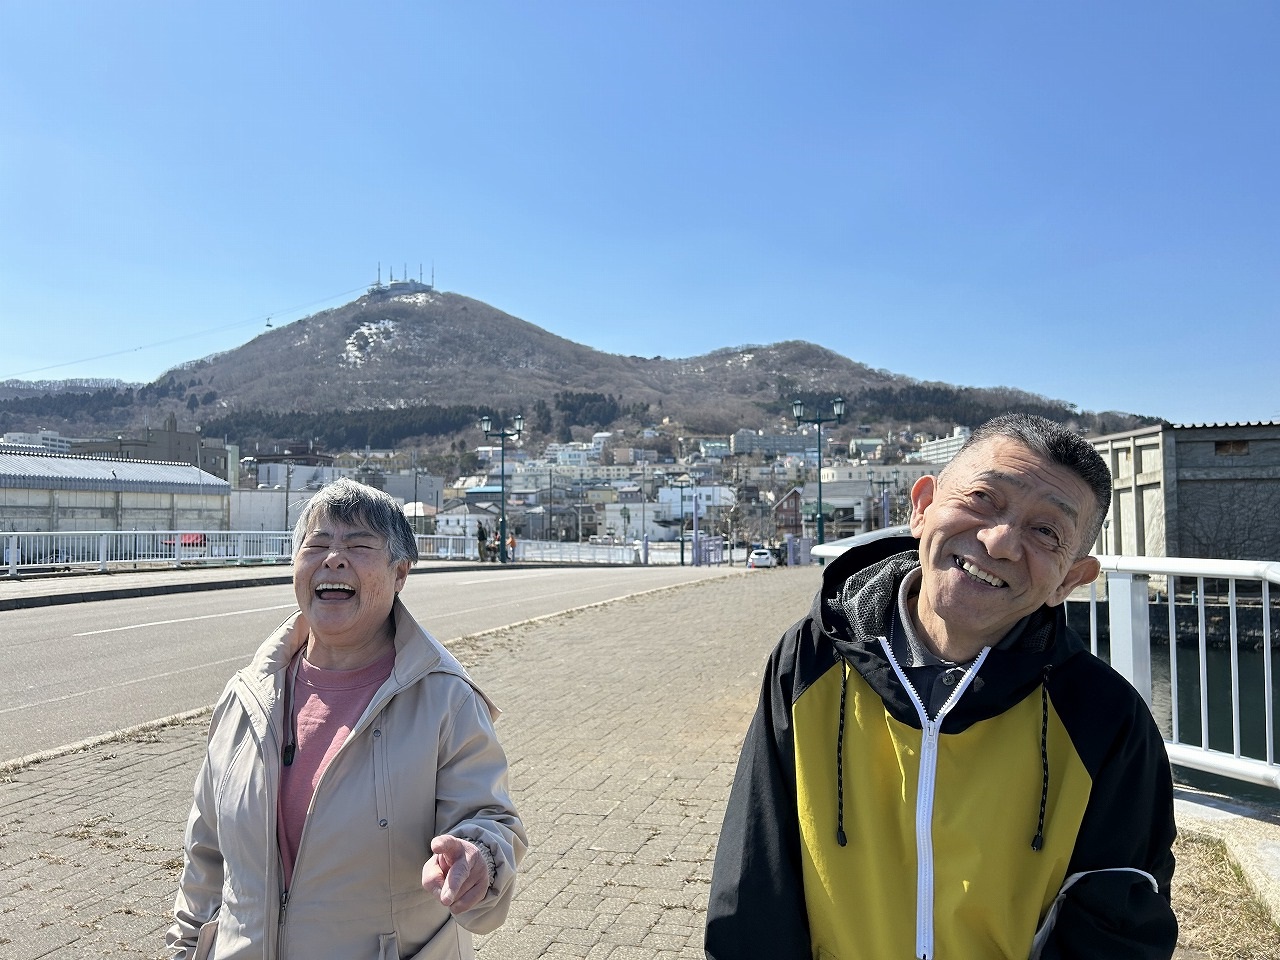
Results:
<point x="272" y="791"/>
<point x="926" y="782"/>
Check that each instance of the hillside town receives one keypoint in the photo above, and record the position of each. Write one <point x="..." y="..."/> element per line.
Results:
<point x="783" y="491"/>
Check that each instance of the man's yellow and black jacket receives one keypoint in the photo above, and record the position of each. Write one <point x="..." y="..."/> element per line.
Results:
<point x="1040" y="799"/>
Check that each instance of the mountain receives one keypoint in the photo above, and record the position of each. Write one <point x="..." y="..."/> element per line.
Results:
<point x="409" y="346"/>
<point x="447" y="349"/>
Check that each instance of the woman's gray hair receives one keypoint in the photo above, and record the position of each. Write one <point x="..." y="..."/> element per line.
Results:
<point x="356" y="504"/>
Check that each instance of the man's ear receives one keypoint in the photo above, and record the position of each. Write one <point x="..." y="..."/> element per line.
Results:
<point x="1085" y="570"/>
<point x="922" y="493"/>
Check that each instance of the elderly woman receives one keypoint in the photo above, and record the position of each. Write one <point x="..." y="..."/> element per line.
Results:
<point x="353" y="799"/>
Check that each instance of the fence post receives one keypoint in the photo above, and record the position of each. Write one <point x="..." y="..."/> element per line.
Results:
<point x="1130" y="621"/>
<point x="11" y="555"/>
<point x="102" y="552"/>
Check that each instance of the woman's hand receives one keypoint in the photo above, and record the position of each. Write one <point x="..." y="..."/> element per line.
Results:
<point x="457" y="875"/>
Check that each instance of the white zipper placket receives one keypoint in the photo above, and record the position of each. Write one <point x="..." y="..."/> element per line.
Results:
<point x="926" y="781"/>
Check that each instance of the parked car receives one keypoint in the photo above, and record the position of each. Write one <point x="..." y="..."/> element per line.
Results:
<point x="760" y="558"/>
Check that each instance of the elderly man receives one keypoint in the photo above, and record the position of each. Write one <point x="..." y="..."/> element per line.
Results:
<point x="938" y="767"/>
<point x="353" y="799"/>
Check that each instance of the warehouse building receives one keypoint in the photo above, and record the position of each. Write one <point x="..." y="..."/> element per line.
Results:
<point x="57" y="493"/>
<point x="1194" y="490"/>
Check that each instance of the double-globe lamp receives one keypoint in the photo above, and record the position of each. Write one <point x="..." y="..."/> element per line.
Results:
<point x="797" y="411"/>
<point x="503" y="435"/>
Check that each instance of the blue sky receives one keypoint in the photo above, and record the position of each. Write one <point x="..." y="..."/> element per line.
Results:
<point x="1078" y="199"/>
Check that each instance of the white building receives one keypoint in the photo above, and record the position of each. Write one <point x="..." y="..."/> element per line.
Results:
<point x="568" y="454"/>
<point x="462" y="519"/>
<point x="49" y="440"/>
<point x="707" y="501"/>
<point x="941" y="451"/>
<point x="878" y="476"/>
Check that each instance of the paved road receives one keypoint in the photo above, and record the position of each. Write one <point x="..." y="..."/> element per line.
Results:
<point x="74" y="671"/>
<point x="622" y="723"/>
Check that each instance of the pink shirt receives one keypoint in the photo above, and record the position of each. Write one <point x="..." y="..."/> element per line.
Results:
<point x="327" y="705"/>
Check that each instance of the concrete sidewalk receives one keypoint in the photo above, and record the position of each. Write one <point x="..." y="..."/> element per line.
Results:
<point x="623" y="723"/>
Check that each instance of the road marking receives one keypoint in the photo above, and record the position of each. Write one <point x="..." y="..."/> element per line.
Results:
<point x="207" y="616"/>
<point x="504" y="579"/>
<point x="124" y="683"/>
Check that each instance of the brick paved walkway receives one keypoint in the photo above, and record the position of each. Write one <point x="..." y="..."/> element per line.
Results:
<point x="622" y="723"/>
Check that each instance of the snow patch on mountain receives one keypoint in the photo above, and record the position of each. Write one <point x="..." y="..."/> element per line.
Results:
<point x="365" y="338"/>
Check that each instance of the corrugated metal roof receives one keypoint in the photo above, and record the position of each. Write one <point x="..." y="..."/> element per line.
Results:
<point x="1234" y="423"/>
<point x="51" y="471"/>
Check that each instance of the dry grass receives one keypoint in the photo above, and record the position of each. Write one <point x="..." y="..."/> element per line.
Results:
<point x="1219" y="918"/>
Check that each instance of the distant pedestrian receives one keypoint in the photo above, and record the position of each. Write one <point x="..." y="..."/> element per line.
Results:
<point x="353" y="799"/>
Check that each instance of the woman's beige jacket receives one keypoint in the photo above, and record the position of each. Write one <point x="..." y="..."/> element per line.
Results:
<point x="423" y="760"/>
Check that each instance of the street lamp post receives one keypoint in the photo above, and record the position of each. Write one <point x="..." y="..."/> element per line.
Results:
<point x="884" y="483"/>
<point x="682" y="486"/>
<point x="797" y="411"/>
<point x="199" y="475"/>
<point x="503" y="435"/>
<point x="886" y="498"/>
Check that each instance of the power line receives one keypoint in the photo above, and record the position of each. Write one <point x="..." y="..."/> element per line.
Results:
<point x="187" y="336"/>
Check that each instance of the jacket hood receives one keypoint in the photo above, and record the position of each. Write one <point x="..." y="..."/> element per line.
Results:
<point x="417" y="654"/>
<point x="855" y="607"/>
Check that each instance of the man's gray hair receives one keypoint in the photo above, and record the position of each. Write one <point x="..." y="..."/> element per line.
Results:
<point x="356" y="504"/>
<point x="1060" y="446"/>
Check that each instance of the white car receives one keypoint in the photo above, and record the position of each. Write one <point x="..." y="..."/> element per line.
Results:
<point x="760" y="558"/>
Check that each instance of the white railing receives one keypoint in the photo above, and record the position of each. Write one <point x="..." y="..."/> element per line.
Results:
<point x="552" y="551"/>
<point x="707" y="551"/>
<point x="30" y="553"/>
<point x="138" y="549"/>
<point x="1204" y="662"/>
<point x="534" y="551"/>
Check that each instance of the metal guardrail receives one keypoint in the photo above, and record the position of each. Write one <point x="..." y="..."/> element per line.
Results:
<point x="101" y="551"/>
<point x="139" y="549"/>
<point x="1214" y="669"/>
<point x="707" y="551"/>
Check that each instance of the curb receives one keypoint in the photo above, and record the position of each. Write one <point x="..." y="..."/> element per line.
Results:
<point x="10" y="767"/>
<point x="1251" y="836"/>
<point x="126" y="593"/>
<point x="195" y="586"/>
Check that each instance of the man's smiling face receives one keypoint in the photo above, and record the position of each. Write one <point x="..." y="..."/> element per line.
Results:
<point x="999" y="534"/>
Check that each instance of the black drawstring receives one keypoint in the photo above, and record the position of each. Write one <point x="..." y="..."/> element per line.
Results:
<point x="844" y="685"/>
<point x="1037" y="842"/>
<point x="291" y="744"/>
